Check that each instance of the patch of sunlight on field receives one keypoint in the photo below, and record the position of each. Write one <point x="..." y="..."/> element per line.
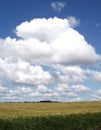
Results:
<point x="14" y="110"/>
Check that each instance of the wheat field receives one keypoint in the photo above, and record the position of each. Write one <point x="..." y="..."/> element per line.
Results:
<point x="15" y="110"/>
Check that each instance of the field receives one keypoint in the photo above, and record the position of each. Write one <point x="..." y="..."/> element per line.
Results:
<point x="50" y="116"/>
<point x="14" y="110"/>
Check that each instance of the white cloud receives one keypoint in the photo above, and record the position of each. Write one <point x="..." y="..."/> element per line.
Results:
<point x="81" y="88"/>
<point x="58" y="6"/>
<point x="97" y="76"/>
<point x="44" y="89"/>
<point x="72" y="95"/>
<point x="97" y="94"/>
<point x="63" y="88"/>
<point x="64" y="91"/>
<point x="3" y="89"/>
<point x="54" y="41"/>
<point x="94" y="75"/>
<point x="73" y="49"/>
<point x="48" y="55"/>
<point x="25" y="73"/>
<point x="73" y="21"/>
<point x="20" y="90"/>
<point x="71" y="74"/>
<point x="42" y="29"/>
<point x="30" y="49"/>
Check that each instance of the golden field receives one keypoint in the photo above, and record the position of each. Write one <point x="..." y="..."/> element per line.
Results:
<point x="15" y="110"/>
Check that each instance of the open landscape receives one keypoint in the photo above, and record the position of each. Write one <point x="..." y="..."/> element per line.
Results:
<point x="50" y="116"/>
<point x="16" y="110"/>
<point x="50" y="64"/>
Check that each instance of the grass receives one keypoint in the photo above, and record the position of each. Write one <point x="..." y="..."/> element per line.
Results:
<point x="50" y="116"/>
<point x="87" y="121"/>
<point x="15" y="110"/>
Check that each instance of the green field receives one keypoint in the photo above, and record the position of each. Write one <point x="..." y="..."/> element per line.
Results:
<point x="50" y="116"/>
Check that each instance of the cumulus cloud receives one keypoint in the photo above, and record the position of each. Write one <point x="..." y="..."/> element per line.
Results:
<point x="73" y="21"/>
<point x="63" y="88"/>
<point x="81" y="88"/>
<point x="71" y="74"/>
<point x="58" y="6"/>
<point x="42" y="29"/>
<point x="97" y="76"/>
<point x="97" y="94"/>
<point x="25" y="73"/>
<point x="3" y="89"/>
<point x="43" y="89"/>
<point x="20" y="90"/>
<point x="94" y="75"/>
<point x="48" y="59"/>
<point x="49" y="41"/>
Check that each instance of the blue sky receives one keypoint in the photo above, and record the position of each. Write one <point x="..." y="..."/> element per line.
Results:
<point x="50" y="50"/>
<point x="13" y="12"/>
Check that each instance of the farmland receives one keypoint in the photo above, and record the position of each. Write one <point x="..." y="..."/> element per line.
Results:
<point x="14" y="110"/>
<point x="50" y="116"/>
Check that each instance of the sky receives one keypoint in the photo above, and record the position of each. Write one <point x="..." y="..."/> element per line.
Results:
<point x="50" y="50"/>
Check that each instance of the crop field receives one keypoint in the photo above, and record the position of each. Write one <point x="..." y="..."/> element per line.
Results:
<point x="50" y="116"/>
<point x="14" y="110"/>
